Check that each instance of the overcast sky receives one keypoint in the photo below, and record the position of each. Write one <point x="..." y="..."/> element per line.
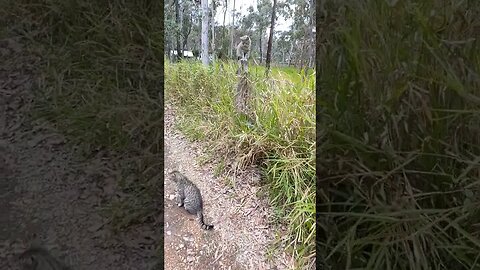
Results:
<point x="241" y="6"/>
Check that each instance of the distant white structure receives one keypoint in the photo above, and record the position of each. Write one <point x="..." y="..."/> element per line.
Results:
<point x="186" y="54"/>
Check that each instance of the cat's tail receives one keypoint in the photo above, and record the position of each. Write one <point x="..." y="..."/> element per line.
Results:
<point x="38" y="257"/>
<point x="202" y="223"/>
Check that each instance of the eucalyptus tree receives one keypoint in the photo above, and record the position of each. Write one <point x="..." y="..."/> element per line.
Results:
<point x="171" y="27"/>
<point x="270" y="39"/>
<point x="177" y="36"/>
<point x="205" y="32"/>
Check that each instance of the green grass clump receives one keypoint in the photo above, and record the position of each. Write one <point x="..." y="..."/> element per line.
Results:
<point x="398" y="136"/>
<point x="99" y="82"/>
<point x="281" y="139"/>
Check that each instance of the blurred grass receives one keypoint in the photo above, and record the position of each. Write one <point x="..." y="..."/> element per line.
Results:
<point x="281" y="140"/>
<point x="100" y="82"/>
<point x="399" y="135"/>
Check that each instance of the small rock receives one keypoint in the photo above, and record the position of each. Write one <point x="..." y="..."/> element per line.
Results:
<point x="190" y="259"/>
<point x="188" y="239"/>
<point x="171" y="197"/>
<point x="181" y="246"/>
<point x="169" y="233"/>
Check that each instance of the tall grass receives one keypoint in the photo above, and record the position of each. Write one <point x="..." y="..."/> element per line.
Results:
<point x="281" y="140"/>
<point x="399" y="135"/>
<point x="99" y="82"/>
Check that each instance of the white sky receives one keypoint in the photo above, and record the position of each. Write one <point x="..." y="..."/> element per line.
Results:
<point x="241" y="6"/>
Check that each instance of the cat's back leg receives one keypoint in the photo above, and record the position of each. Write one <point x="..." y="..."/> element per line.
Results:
<point x="191" y="206"/>
<point x="180" y="198"/>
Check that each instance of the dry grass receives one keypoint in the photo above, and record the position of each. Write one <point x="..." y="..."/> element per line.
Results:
<point x="99" y="85"/>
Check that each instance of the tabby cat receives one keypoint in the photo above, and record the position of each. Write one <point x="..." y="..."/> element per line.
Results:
<point x="188" y="196"/>
<point x="38" y="258"/>
<point x="243" y="48"/>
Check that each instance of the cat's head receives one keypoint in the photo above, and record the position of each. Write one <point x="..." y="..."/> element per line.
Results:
<point x="245" y="38"/>
<point x="174" y="175"/>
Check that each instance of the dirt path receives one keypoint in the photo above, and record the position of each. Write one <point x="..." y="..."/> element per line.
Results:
<point x="46" y="190"/>
<point x="242" y="235"/>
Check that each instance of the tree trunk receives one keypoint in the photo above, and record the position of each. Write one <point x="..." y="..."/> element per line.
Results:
<point x="225" y="13"/>
<point x="314" y="25"/>
<point x="270" y="39"/>
<point x="311" y="55"/>
<point x="177" y="20"/>
<point x="181" y="26"/>
<point x="231" y="32"/>
<point x="213" y="31"/>
<point x="223" y="29"/>
<point x="186" y="32"/>
<point x="185" y="39"/>
<point x="302" y="55"/>
<point x="168" y="51"/>
<point x="244" y="89"/>
<point x="260" y="47"/>
<point x="205" y="32"/>
<point x="290" y="55"/>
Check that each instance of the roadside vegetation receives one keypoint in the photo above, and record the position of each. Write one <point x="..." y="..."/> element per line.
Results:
<point x="399" y="135"/>
<point x="281" y="139"/>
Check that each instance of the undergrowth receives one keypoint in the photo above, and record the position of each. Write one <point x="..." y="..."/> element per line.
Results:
<point x="398" y="135"/>
<point x="281" y="140"/>
<point x="100" y="84"/>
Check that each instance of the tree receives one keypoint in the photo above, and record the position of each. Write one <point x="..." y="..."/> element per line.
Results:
<point x="282" y="45"/>
<point x="177" y="20"/>
<point x="205" y="32"/>
<point x="224" y="17"/>
<point x="270" y="39"/>
<point x="187" y="23"/>
<point x="232" y="29"/>
<point x="261" y="21"/>
<point x="170" y="27"/>
<point x="313" y="25"/>
<point x="195" y="38"/>
<point x="213" y="29"/>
